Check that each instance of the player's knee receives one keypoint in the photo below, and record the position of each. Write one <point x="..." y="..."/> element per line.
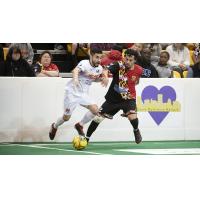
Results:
<point x="94" y="109"/>
<point x="132" y="117"/>
<point x="98" y="119"/>
<point x="66" y="117"/>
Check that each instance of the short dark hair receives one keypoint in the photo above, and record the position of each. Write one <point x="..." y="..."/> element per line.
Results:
<point x="95" y="50"/>
<point x="131" y="52"/>
<point x="166" y="52"/>
<point x="117" y="47"/>
<point x="44" y="52"/>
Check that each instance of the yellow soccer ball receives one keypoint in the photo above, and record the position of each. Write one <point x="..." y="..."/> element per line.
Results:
<point x="79" y="143"/>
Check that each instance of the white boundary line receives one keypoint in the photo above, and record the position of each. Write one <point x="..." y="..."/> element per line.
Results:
<point x="116" y="143"/>
<point x="51" y="148"/>
<point x="171" y="151"/>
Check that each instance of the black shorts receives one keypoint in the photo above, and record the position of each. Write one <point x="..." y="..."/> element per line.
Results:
<point x="109" y="109"/>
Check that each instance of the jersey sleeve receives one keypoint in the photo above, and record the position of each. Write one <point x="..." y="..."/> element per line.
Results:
<point x="113" y="68"/>
<point x="81" y="66"/>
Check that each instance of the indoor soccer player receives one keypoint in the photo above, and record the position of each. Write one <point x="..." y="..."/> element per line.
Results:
<point x="77" y="89"/>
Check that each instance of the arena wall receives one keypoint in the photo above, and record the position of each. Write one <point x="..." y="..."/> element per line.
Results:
<point x="28" y="106"/>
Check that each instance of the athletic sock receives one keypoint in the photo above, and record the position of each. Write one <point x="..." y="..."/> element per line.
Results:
<point x="134" y="124"/>
<point x="92" y="127"/>
<point x="59" y="122"/>
<point x="87" y="117"/>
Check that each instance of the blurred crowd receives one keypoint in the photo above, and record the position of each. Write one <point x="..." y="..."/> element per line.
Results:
<point x="159" y="60"/>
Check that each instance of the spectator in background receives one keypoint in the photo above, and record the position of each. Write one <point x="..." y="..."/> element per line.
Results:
<point x="179" y="56"/>
<point x="137" y="47"/>
<point x="149" y="70"/>
<point x="2" y="68"/>
<point x="191" y="48"/>
<point x="59" y="46"/>
<point x="196" y="68"/>
<point x="125" y="45"/>
<point x="1" y="53"/>
<point x="15" y="65"/>
<point x="26" y="51"/>
<point x="105" y="47"/>
<point x="196" y="52"/>
<point x="75" y="48"/>
<point x="44" y="67"/>
<point x="164" y="45"/>
<point x="156" y="48"/>
<point x="162" y="67"/>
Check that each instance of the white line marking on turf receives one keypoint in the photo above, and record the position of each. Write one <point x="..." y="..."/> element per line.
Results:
<point x="92" y="143"/>
<point x="67" y="150"/>
<point x="7" y="144"/>
<point x="118" y="143"/>
<point x="163" y="151"/>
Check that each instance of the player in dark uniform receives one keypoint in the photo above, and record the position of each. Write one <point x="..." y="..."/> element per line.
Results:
<point x="121" y="94"/>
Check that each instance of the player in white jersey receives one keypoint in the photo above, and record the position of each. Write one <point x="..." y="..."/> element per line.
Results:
<point x="77" y="89"/>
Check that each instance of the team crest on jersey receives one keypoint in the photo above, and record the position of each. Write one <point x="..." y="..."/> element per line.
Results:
<point x="97" y="71"/>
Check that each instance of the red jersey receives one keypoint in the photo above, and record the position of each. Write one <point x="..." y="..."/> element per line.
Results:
<point x="123" y="84"/>
<point x="133" y="77"/>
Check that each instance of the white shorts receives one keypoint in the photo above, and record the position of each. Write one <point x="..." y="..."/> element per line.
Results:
<point x="71" y="101"/>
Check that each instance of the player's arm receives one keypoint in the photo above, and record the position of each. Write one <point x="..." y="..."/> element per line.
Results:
<point x="104" y="78"/>
<point x="113" y="68"/>
<point x="137" y="81"/>
<point x="75" y="74"/>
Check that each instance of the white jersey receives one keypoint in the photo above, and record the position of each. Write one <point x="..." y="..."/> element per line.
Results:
<point x="84" y="80"/>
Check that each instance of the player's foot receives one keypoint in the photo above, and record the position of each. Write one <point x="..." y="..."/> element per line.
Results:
<point x="138" y="137"/>
<point x="52" y="132"/>
<point x="79" y="128"/>
<point x="88" y="139"/>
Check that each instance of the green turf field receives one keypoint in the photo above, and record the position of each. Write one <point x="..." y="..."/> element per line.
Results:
<point x="104" y="148"/>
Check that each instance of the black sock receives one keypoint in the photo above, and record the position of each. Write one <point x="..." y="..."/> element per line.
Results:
<point x="92" y="127"/>
<point x="134" y="123"/>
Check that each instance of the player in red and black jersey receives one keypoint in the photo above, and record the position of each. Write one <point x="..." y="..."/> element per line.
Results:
<point x="121" y="94"/>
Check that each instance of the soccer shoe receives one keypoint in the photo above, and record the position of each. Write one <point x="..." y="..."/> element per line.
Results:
<point x="79" y="128"/>
<point x="88" y="139"/>
<point x="52" y="132"/>
<point x="138" y="137"/>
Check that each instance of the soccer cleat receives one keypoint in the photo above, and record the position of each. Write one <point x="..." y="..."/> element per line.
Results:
<point x="52" y="132"/>
<point x="88" y="139"/>
<point x="79" y="128"/>
<point x="138" y="137"/>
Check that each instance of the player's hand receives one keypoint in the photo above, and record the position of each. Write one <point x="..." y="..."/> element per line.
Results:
<point x="104" y="82"/>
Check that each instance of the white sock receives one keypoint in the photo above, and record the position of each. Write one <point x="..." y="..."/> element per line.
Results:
<point x="87" y="117"/>
<point x="59" y="122"/>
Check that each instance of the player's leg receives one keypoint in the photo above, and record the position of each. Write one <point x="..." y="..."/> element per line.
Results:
<point x="129" y="109"/>
<point x="55" y="125"/>
<point x="93" y="110"/>
<point x="107" y="110"/>
<point x="69" y="106"/>
<point x="86" y="101"/>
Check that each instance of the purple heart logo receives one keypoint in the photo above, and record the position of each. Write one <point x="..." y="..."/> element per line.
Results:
<point x="151" y="92"/>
